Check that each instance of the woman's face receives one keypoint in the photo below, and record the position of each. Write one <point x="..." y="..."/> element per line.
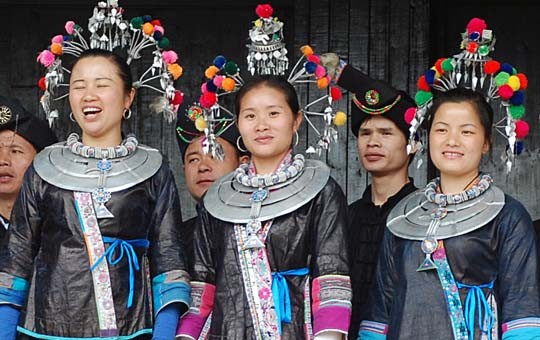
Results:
<point x="98" y="99"/>
<point x="267" y="124"/>
<point x="457" y="140"/>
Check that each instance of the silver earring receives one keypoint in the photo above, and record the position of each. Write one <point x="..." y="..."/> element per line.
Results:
<point x="127" y="114"/>
<point x="238" y="144"/>
<point x="297" y="137"/>
<point x="71" y="117"/>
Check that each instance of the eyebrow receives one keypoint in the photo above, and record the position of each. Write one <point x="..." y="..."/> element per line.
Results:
<point x="462" y="125"/>
<point x="97" y="79"/>
<point x="191" y="153"/>
<point x="266" y="107"/>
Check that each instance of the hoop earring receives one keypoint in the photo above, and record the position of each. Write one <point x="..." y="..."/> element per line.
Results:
<point x="238" y="144"/>
<point x="127" y="114"/>
<point x="72" y="118"/>
<point x="297" y="138"/>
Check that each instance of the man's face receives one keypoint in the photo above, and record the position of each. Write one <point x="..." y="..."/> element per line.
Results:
<point x="382" y="147"/>
<point x="201" y="170"/>
<point x="16" y="154"/>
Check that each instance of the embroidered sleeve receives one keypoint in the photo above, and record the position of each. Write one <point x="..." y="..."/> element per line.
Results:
<point x="370" y="330"/>
<point x="170" y="287"/>
<point x="331" y="303"/>
<point x="202" y="302"/>
<point x="521" y="329"/>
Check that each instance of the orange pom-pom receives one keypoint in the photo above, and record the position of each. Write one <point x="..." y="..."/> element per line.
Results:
<point x="148" y="28"/>
<point x="211" y="71"/>
<point x="523" y="81"/>
<point x="228" y="84"/>
<point x="423" y="84"/>
<point x="492" y="67"/>
<point x="306" y="50"/>
<point x="56" y="49"/>
<point x="176" y="70"/>
<point x="322" y="83"/>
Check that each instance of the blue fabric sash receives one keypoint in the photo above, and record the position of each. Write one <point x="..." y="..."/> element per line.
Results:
<point x="126" y="247"/>
<point x="280" y="294"/>
<point x="476" y="299"/>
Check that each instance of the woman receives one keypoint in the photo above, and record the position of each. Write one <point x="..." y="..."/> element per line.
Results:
<point x="460" y="259"/>
<point x="96" y="223"/>
<point x="271" y="254"/>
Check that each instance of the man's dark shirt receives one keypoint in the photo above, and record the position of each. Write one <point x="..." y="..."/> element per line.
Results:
<point x="367" y="223"/>
<point x="4" y="224"/>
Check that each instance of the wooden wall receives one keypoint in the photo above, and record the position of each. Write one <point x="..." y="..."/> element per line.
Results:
<point x="392" y="40"/>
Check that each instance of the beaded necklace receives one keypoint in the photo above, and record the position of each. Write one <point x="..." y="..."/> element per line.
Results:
<point x="429" y="243"/>
<point x="261" y="182"/>
<point x="101" y="195"/>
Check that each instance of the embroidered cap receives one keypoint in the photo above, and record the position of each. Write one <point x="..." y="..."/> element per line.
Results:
<point x="374" y="97"/>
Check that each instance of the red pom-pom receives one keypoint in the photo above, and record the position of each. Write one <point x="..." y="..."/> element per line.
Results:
<point x="492" y="67"/>
<point x="314" y="58"/>
<point x="476" y="25"/>
<point x="522" y="129"/>
<point x="472" y="47"/>
<point x="264" y="10"/>
<point x="523" y="81"/>
<point x="505" y="92"/>
<point x="178" y="98"/>
<point x="438" y="65"/>
<point x="156" y="22"/>
<point x="208" y="99"/>
<point x="423" y="84"/>
<point x="41" y="83"/>
<point x="409" y="115"/>
<point x="335" y="93"/>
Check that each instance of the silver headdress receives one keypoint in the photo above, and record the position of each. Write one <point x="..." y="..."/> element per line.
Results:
<point x="472" y="68"/>
<point x="110" y="31"/>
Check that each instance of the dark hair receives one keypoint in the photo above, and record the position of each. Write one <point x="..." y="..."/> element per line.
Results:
<point x="461" y="95"/>
<point x="278" y="83"/>
<point x="121" y="65"/>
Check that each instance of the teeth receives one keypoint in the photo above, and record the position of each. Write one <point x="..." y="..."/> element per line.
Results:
<point x="91" y="109"/>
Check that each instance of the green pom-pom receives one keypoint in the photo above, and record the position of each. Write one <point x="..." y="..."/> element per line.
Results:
<point x="514" y="71"/>
<point x="422" y="97"/>
<point x="164" y="42"/>
<point x="483" y="50"/>
<point x="137" y="22"/>
<point x="517" y="111"/>
<point x="447" y="65"/>
<point x="501" y="78"/>
<point x="231" y="68"/>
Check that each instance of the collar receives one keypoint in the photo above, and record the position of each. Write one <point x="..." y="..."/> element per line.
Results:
<point x="392" y="200"/>
<point x="4" y="221"/>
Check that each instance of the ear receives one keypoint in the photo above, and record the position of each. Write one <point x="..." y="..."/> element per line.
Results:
<point x="130" y="97"/>
<point x="486" y="146"/>
<point x="298" y="120"/>
<point x="243" y="159"/>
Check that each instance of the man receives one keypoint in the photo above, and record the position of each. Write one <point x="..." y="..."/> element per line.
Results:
<point x="377" y="120"/>
<point x="200" y="169"/>
<point x="22" y="136"/>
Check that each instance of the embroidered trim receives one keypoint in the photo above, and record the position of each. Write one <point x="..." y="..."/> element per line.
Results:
<point x="374" y="327"/>
<point x="521" y="323"/>
<point x="332" y="306"/>
<point x="371" y="111"/>
<point x="195" y="324"/>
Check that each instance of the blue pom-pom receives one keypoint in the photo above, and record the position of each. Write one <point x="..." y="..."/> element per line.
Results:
<point x="430" y="76"/>
<point x="505" y="67"/>
<point x="219" y="61"/>
<point x="310" y="67"/>
<point x="157" y="35"/>
<point x="147" y="18"/>
<point x="474" y="36"/>
<point x="518" y="98"/>
<point x="210" y="86"/>
<point x="519" y="147"/>
<point x="67" y="37"/>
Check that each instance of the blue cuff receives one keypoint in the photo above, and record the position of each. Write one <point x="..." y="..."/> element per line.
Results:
<point x="367" y="335"/>
<point x="171" y="287"/>
<point x="9" y="318"/>
<point x="524" y="333"/>
<point x="13" y="290"/>
<point x="166" y="322"/>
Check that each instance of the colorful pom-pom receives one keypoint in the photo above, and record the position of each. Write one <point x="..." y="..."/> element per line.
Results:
<point x="422" y="97"/>
<point x="203" y="88"/>
<point x="148" y="28"/>
<point x="340" y="118"/>
<point x="208" y="99"/>
<point x="200" y="124"/>
<point x="178" y="98"/>
<point x="448" y="65"/>
<point x="211" y="71"/>
<point x="517" y="112"/>
<point x="57" y="39"/>
<point x="42" y="84"/>
<point x="513" y="82"/>
<point x="438" y="65"/>
<point x="472" y="47"/>
<point x="157" y="35"/>
<point x="519" y="147"/>
<point x="492" y="67"/>
<point x="522" y="129"/>
<point x="505" y="92"/>
<point x="523" y="81"/>
<point x="228" y="84"/>
<point x="211" y="87"/>
<point x="137" y="22"/>
<point x="505" y="67"/>
<point x="476" y="25"/>
<point x="156" y="22"/>
<point x="335" y="93"/>
<point x="219" y="61"/>
<point x="422" y="84"/>
<point x="69" y="27"/>
<point x="320" y="71"/>
<point x="176" y="70"/>
<point x="231" y="68"/>
<point x="518" y="98"/>
<point x="56" y="48"/>
<point x="306" y="50"/>
<point x="322" y="83"/>
<point x="147" y="18"/>
<point x="310" y="67"/>
<point x="159" y="28"/>
<point x="264" y="10"/>
<point x="430" y="76"/>
<point x="409" y="115"/>
<point x="474" y="36"/>
<point x="501" y="78"/>
<point x="258" y="23"/>
<point x="218" y="80"/>
<point x="169" y="57"/>
<point x="483" y="50"/>
<point x="164" y="43"/>
<point x="314" y="58"/>
<point x="46" y="58"/>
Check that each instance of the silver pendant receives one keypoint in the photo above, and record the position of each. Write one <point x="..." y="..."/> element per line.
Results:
<point x="253" y="241"/>
<point x="429" y="245"/>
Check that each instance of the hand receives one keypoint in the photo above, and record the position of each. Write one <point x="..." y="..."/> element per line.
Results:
<point x="329" y="335"/>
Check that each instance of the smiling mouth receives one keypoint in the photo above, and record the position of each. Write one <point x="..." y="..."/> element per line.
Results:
<point x="452" y="154"/>
<point x="91" y="110"/>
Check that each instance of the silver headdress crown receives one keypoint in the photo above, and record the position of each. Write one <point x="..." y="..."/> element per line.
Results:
<point x="267" y="55"/>
<point x="110" y="31"/>
<point x="472" y="68"/>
